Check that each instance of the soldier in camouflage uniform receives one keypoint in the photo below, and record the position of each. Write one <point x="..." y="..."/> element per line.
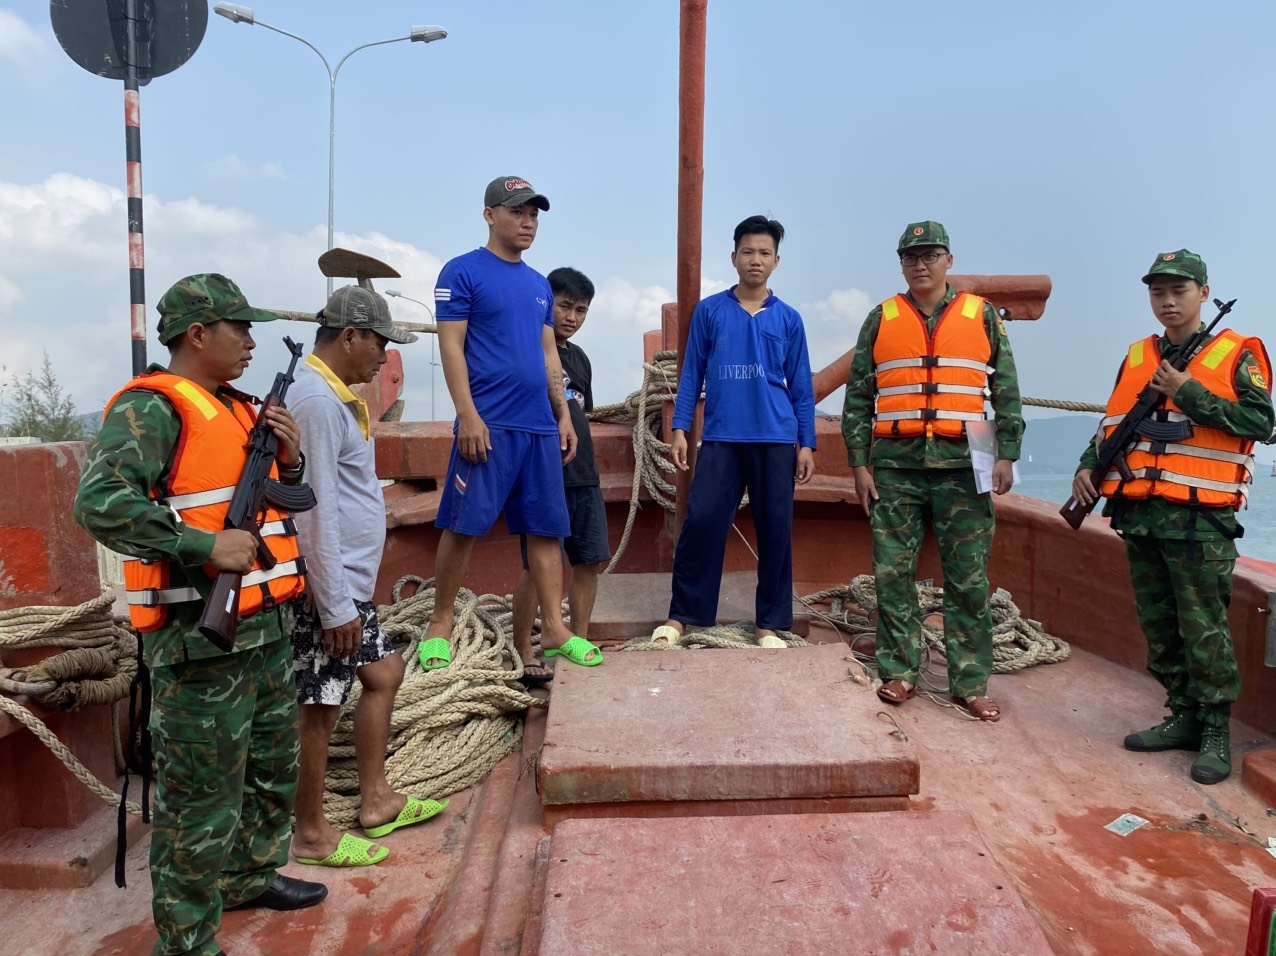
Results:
<point x="224" y="725"/>
<point x="904" y="481"/>
<point x="1182" y="554"/>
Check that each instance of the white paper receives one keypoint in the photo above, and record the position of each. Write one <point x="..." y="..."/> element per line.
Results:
<point x="982" y="436"/>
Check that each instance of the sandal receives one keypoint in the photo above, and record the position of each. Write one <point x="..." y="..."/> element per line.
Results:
<point x="536" y="673"/>
<point x="983" y="707"/>
<point x="665" y="634"/>
<point x="351" y="851"/>
<point x="896" y="691"/>
<point x="577" y="650"/>
<point x="434" y="652"/>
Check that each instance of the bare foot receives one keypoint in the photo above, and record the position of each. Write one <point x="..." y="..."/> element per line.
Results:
<point x="380" y="810"/>
<point x="316" y="843"/>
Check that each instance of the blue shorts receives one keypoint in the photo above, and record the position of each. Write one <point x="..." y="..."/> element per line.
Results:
<point x="523" y="476"/>
<point x="587" y="544"/>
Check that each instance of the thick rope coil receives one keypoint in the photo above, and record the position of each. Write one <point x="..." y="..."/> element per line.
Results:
<point x="449" y="726"/>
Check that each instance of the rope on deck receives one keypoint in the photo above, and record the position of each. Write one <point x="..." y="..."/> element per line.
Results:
<point x="449" y="726"/>
<point x="97" y="667"/>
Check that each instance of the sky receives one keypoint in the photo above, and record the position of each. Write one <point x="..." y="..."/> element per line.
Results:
<point x="1077" y="140"/>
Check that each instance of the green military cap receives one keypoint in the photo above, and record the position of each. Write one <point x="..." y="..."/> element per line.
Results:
<point x="926" y="233"/>
<point x="1178" y="263"/>
<point x="207" y="297"/>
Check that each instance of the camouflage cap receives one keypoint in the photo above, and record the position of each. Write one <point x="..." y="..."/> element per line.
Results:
<point x="1181" y="262"/>
<point x="206" y="298"/>
<point x="926" y="233"/>
<point x="354" y="307"/>
<point x="513" y="191"/>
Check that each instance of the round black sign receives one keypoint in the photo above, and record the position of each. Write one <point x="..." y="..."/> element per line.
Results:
<point x="96" y="34"/>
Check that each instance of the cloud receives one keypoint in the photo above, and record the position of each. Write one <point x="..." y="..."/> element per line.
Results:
<point x="19" y="42"/>
<point x="233" y="169"/>
<point x="832" y="325"/>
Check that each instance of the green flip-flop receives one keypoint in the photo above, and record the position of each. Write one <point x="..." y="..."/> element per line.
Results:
<point x="435" y="648"/>
<point x="351" y="851"/>
<point x="414" y="811"/>
<point x="575" y="650"/>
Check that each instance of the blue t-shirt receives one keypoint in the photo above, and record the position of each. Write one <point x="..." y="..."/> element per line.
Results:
<point x="755" y="372"/>
<point x="506" y="304"/>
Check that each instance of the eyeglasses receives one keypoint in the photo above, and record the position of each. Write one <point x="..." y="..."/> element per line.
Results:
<point x="930" y="258"/>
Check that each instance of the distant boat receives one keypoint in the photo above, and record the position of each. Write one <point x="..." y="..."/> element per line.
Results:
<point x="1274" y="469"/>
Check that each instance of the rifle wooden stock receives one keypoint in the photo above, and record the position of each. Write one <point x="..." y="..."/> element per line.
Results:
<point x="1074" y="512"/>
<point x="220" y="620"/>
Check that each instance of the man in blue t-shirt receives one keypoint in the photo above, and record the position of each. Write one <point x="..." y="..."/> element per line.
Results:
<point x="747" y="349"/>
<point x="513" y="427"/>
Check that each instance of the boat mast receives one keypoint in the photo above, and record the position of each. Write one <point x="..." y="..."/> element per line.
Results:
<point x="691" y="69"/>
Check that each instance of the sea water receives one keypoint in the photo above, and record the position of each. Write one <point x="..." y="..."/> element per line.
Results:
<point x="1258" y="520"/>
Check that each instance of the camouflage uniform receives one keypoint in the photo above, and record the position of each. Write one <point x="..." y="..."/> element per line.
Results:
<point x="1181" y="561"/>
<point x="224" y="726"/>
<point x="929" y="479"/>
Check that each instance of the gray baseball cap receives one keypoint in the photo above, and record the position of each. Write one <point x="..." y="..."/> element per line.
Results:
<point x="354" y="307"/>
<point x="513" y="191"/>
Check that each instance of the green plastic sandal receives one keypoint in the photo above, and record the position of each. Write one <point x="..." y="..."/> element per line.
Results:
<point x="576" y="649"/>
<point x="434" y="649"/>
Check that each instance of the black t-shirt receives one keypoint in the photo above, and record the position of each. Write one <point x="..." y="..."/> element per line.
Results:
<point x="578" y="374"/>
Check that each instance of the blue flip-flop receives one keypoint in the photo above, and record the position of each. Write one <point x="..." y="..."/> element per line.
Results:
<point x="576" y="649"/>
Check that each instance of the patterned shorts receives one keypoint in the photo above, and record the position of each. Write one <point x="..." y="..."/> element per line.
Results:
<point x="327" y="680"/>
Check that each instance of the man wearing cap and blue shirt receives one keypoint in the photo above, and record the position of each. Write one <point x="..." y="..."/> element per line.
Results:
<point x="223" y="724"/>
<point x="1177" y="513"/>
<point x="926" y="363"/>
<point x="513" y="427"/>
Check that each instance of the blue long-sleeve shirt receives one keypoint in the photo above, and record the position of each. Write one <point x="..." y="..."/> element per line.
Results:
<point x="755" y="372"/>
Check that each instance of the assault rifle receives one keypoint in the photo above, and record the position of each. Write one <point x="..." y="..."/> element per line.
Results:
<point x="1139" y="423"/>
<point x="255" y="490"/>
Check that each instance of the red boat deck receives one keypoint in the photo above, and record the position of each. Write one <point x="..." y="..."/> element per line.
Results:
<point x="1039" y="786"/>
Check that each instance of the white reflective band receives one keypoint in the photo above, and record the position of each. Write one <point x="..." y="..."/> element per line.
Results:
<point x="900" y="363"/>
<point x="276" y="527"/>
<point x="1226" y="487"/>
<point x="921" y="362"/>
<point x="941" y="413"/>
<point x="1214" y="454"/>
<point x="153" y="597"/>
<point x="964" y="363"/>
<point x="921" y="389"/>
<point x="197" y="499"/>
<point x="261" y="575"/>
<point x="1169" y="417"/>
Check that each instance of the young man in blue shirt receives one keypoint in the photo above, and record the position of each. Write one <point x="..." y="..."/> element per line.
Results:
<point x="513" y="427"/>
<point x="586" y="547"/>
<point x="747" y="349"/>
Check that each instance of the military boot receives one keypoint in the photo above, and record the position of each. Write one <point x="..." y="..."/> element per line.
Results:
<point x="1179" y="731"/>
<point x="1214" y="763"/>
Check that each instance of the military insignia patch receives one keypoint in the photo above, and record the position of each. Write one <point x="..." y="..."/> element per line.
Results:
<point x="1256" y="375"/>
<point x="917" y="230"/>
<point x="1000" y="327"/>
<point x="1167" y="257"/>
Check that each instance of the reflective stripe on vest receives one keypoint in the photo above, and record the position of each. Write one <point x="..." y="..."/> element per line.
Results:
<point x="207" y="462"/>
<point x="1211" y="468"/>
<point x="930" y="383"/>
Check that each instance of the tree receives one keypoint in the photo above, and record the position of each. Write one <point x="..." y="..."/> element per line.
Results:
<point x="39" y="408"/>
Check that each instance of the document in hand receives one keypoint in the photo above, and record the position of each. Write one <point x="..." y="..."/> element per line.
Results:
<point x="982" y="437"/>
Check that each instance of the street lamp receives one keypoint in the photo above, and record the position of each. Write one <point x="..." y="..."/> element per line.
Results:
<point x="433" y="364"/>
<point x="236" y="13"/>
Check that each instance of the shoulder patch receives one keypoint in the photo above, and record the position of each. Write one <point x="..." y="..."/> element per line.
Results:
<point x="1256" y="375"/>
<point x="1001" y="327"/>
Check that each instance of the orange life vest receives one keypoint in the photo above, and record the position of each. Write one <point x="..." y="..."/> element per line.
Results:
<point x="930" y="383"/>
<point x="207" y="463"/>
<point x="1211" y="468"/>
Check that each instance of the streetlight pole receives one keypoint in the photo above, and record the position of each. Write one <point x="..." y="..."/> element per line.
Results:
<point x="433" y="364"/>
<point x="236" y="13"/>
